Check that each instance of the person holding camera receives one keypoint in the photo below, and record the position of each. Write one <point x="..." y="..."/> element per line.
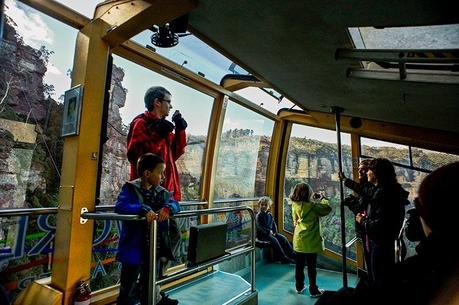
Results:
<point x="359" y="204"/>
<point x="150" y="132"/>
<point x="307" y="207"/>
<point x="431" y="276"/>
<point x="384" y="221"/>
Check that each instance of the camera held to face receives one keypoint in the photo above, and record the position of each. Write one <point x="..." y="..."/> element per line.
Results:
<point x="317" y="195"/>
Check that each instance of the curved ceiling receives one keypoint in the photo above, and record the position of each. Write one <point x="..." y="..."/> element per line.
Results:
<point x="291" y="45"/>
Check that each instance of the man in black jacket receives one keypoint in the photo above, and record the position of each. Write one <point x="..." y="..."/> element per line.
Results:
<point x="359" y="204"/>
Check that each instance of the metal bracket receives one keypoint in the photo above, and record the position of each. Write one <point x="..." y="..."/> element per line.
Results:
<point x="83" y="220"/>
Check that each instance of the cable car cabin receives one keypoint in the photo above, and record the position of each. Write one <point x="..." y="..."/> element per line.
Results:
<point x="274" y="93"/>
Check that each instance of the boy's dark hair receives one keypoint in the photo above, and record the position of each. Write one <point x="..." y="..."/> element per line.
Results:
<point x="149" y="162"/>
<point x="301" y="192"/>
<point x="152" y="94"/>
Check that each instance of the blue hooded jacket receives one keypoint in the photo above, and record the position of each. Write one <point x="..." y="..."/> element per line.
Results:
<point x="133" y="243"/>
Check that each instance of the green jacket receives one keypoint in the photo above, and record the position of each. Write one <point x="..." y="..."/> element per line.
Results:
<point x="307" y="237"/>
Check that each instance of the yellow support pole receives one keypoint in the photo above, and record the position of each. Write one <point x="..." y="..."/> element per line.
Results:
<point x="211" y="153"/>
<point x="73" y="243"/>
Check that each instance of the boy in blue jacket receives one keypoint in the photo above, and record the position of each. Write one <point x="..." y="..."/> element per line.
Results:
<point x="145" y="197"/>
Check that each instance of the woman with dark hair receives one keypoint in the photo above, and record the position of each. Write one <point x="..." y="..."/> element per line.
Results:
<point x="384" y="221"/>
<point x="431" y="277"/>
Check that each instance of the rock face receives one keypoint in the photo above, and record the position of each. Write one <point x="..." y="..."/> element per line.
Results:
<point x="29" y="170"/>
<point x="115" y="166"/>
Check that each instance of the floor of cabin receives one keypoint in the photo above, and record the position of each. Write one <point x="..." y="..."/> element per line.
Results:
<point x="275" y="284"/>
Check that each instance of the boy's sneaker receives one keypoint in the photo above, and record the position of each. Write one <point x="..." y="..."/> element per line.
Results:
<point x="165" y="300"/>
<point x="316" y="292"/>
<point x="301" y="290"/>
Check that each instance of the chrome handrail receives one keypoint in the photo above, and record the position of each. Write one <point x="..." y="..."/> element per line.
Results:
<point x="153" y="240"/>
<point x="27" y="211"/>
<point x="232" y="200"/>
<point x="102" y="208"/>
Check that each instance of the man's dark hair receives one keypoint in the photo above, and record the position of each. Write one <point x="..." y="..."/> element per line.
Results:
<point x="152" y="94"/>
<point x="149" y="162"/>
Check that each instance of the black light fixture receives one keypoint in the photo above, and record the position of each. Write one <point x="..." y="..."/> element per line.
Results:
<point x="164" y="37"/>
<point x="167" y="36"/>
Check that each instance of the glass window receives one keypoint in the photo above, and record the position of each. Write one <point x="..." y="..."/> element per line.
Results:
<point x="380" y="149"/>
<point x="409" y="177"/>
<point x="129" y="84"/>
<point x="128" y="87"/>
<point x="414" y="37"/>
<point x="194" y="55"/>
<point x="312" y="158"/>
<point x="26" y="248"/>
<point x="410" y="180"/>
<point x="266" y="98"/>
<point x="86" y="7"/>
<point x="36" y="52"/>
<point x="431" y="160"/>
<point x="243" y="154"/>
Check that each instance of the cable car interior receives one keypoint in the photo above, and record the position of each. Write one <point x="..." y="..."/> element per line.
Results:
<point x="274" y="93"/>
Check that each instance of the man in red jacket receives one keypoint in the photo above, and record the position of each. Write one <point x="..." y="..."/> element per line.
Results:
<point x="150" y="132"/>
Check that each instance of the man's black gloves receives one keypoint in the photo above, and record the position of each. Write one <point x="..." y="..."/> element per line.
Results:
<point x="163" y="127"/>
<point x="180" y="123"/>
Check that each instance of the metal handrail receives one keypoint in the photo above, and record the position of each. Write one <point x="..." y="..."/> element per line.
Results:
<point x="27" y="211"/>
<point x="153" y="240"/>
<point x="102" y="208"/>
<point x="232" y="200"/>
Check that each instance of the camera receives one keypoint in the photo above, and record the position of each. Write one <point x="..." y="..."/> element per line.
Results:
<point x="317" y="196"/>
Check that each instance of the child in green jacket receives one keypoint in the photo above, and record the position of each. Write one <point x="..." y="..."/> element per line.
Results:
<point x="307" y="207"/>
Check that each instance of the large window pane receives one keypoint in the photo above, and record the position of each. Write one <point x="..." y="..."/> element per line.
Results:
<point x="194" y="55"/>
<point x="128" y="86"/>
<point x="86" y="7"/>
<point x="410" y="180"/>
<point x="267" y="98"/>
<point x="26" y="248"/>
<point x="380" y="149"/>
<point x="312" y="158"/>
<point x="431" y="160"/>
<point x="243" y="154"/>
<point x="36" y="52"/>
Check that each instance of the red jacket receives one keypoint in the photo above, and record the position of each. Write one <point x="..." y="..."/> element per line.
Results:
<point x="143" y="139"/>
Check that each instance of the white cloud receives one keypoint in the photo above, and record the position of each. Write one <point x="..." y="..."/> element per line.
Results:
<point x="30" y="25"/>
<point x="229" y="124"/>
<point x="51" y="68"/>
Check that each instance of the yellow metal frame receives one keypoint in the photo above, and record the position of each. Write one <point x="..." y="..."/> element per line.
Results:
<point x="72" y="257"/>
<point x="109" y="32"/>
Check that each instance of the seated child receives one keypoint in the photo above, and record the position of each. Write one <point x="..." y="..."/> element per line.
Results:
<point x="267" y="231"/>
<point x="144" y="196"/>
